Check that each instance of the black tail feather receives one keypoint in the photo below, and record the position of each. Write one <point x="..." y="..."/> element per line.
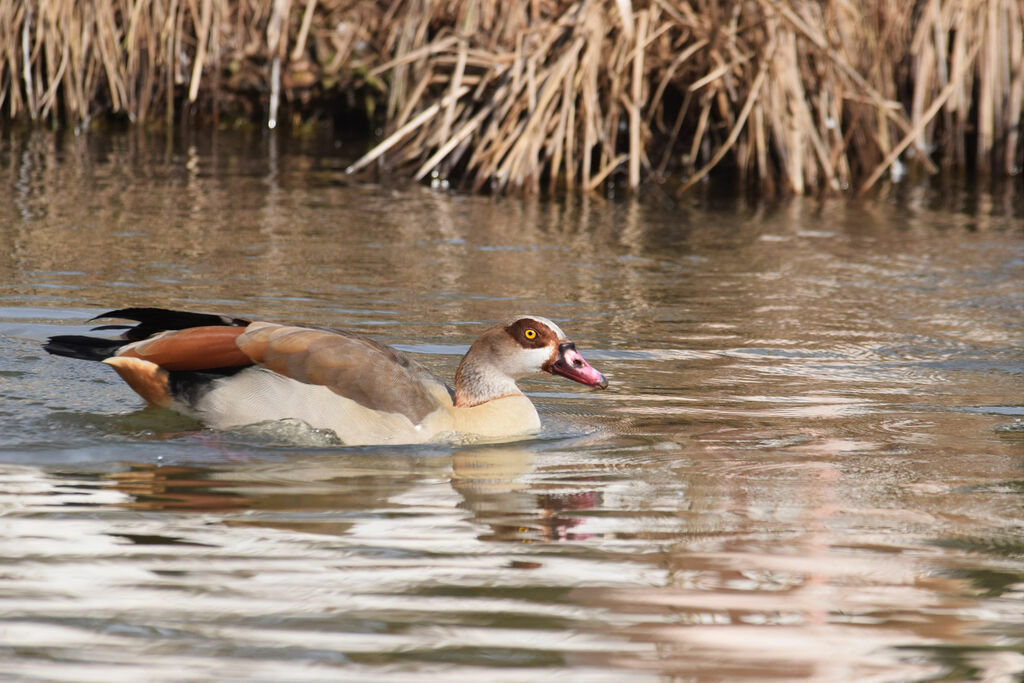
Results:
<point x="82" y="347"/>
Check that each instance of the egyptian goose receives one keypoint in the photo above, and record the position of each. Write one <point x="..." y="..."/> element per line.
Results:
<point x="228" y="372"/>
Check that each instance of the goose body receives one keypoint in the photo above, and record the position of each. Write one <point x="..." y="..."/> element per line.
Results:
<point x="229" y="372"/>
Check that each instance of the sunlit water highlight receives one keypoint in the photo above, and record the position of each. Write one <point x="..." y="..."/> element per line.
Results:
<point x="809" y="464"/>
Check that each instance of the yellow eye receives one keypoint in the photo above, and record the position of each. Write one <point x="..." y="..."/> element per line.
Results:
<point x="530" y="334"/>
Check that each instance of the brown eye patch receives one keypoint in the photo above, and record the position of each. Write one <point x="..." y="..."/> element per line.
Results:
<point x="530" y="334"/>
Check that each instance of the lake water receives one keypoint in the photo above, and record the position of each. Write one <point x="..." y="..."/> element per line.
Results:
<point x="809" y="463"/>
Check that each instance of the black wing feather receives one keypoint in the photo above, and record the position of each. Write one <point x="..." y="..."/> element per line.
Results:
<point x="154" y="320"/>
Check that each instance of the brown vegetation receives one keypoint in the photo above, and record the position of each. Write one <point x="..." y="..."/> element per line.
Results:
<point x="792" y="95"/>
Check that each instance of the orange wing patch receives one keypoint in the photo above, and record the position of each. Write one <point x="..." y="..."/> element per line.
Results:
<point x="195" y="348"/>
<point x="149" y="380"/>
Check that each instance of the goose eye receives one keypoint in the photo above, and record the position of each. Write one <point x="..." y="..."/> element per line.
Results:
<point x="530" y="334"/>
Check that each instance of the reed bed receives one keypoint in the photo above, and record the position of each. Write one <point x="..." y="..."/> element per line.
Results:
<point x="556" y="95"/>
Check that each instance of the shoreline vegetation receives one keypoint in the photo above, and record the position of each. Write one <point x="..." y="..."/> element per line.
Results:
<point x="552" y="96"/>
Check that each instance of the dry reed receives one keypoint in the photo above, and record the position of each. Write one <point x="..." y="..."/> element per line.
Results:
<point x="546" y="95"/>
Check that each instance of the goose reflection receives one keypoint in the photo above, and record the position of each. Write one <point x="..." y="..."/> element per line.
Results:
<point x="494" y="485"/>
<point x="349" y="495"/>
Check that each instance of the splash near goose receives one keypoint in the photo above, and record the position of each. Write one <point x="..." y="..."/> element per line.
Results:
<point x="229" y="372"/>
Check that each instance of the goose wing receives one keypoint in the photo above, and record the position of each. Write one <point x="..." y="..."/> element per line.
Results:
<point x="360" y="369"/>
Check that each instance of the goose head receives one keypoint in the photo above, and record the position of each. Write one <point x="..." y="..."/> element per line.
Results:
<point x="515" y="348"/>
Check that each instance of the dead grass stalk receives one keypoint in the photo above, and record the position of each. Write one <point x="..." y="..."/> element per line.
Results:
<point x="558" y="94"/>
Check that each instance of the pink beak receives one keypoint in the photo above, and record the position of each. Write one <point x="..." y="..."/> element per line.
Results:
<point x="570" y="363"/>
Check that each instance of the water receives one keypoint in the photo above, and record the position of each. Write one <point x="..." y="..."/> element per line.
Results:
<point x="809" y="464"/>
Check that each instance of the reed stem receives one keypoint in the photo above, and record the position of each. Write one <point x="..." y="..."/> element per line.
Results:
<point x="556" y="95"/>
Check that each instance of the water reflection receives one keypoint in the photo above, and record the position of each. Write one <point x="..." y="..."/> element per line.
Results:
<point x="492" y="485"/>
<point x="168" y="487"/>
<point x="694" y="567"/>
<point x="808" y="464"/>
<point x="491" y="482"/>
